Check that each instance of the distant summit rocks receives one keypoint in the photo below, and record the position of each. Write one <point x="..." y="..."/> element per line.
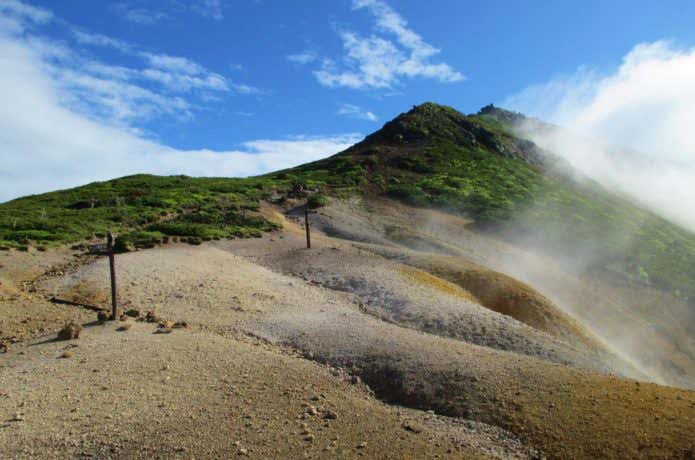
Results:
<point x="503" y="115"/>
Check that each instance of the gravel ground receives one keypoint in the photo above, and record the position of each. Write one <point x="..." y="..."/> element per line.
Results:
<point x="193" y="392"/>
<point x="295" y="353"/>
<point x="393" y="292"/>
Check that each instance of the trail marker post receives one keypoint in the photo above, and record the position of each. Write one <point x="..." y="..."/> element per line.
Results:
<point x="106" y="249"/>
<point x="306" y="225"/>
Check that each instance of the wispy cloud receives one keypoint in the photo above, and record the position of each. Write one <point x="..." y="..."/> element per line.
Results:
<point x="138" y="15"/>
<point x="117" y="95"/>
<point x="246" y="89"/>
<point x="87" y="38"/>
<point x="646" y="106"/>
<point x="176" y="75"/>
<point x="353" y="111"/>
<point x="304" y="57"/>
<point x="208" y="8"/>
<point x="379" y="62"/>
<point x="146" y="16"/>
<point x="68" y="145"/>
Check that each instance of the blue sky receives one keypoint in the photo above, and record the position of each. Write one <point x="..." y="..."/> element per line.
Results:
<point x="241" y="87"/>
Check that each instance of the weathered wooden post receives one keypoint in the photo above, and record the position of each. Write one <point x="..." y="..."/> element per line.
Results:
<point x="102" y="249"/>
<point x="112" y="269"/>
<point x="306" y="226"/>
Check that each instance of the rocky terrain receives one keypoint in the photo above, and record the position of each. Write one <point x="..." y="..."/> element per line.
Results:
<point x="382" y="341"/>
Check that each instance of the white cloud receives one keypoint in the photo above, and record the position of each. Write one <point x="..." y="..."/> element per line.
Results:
<point x="648" y="106"/>
<point x="161" y="85"/>
<point x="175" y="72"/>
<point x="378" y="62"/>
<point x="47" y="143"/>
<point x="305" y="57"/>
<point x="354" y="111"/>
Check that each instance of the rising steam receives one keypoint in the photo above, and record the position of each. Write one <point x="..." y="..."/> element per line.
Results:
<point x="632" y="130"/>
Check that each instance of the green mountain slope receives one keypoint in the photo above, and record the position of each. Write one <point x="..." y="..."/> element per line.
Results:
<point x="475" y="166"/>
<point x="430" y="156"/>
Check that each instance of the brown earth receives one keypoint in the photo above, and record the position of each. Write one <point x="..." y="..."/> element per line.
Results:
<point x="276" y="331"/>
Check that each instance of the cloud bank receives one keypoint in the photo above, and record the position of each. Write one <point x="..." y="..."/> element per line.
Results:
<point x="631" y="129"/>
<point x="66" y="120"/>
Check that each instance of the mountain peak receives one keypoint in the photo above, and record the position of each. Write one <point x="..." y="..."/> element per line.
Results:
<point x="422" y="122"/>
<point x="430" y="122"/>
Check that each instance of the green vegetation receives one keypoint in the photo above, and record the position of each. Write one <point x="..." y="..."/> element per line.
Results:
<point x="143" y="209"/>
<point x="433" y="156"/>
<point x="430" y="156"/>
<point x="317" y="200"/>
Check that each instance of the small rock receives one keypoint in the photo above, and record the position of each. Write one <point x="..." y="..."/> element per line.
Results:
<point x="133" y="313"/>
<point x="70" y="331"/>
<point x="165" y="327"/>
<point x="151" y="317"/>
<point x="412" y="427"/>
<point x="102" y="317"/>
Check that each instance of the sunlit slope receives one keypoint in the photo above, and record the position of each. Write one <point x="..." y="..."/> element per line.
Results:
<point x="430" y="156"/>
<point x="434" y="156"/>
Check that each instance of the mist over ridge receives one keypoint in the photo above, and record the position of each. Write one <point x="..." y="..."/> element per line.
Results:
<point x="631" y="130"/>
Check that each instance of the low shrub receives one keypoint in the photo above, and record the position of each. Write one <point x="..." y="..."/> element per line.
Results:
<point x="317" y="200"/>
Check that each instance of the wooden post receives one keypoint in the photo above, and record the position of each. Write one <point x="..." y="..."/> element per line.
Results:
<point x="112" y="268"/>
<point x="306" y="225"/>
